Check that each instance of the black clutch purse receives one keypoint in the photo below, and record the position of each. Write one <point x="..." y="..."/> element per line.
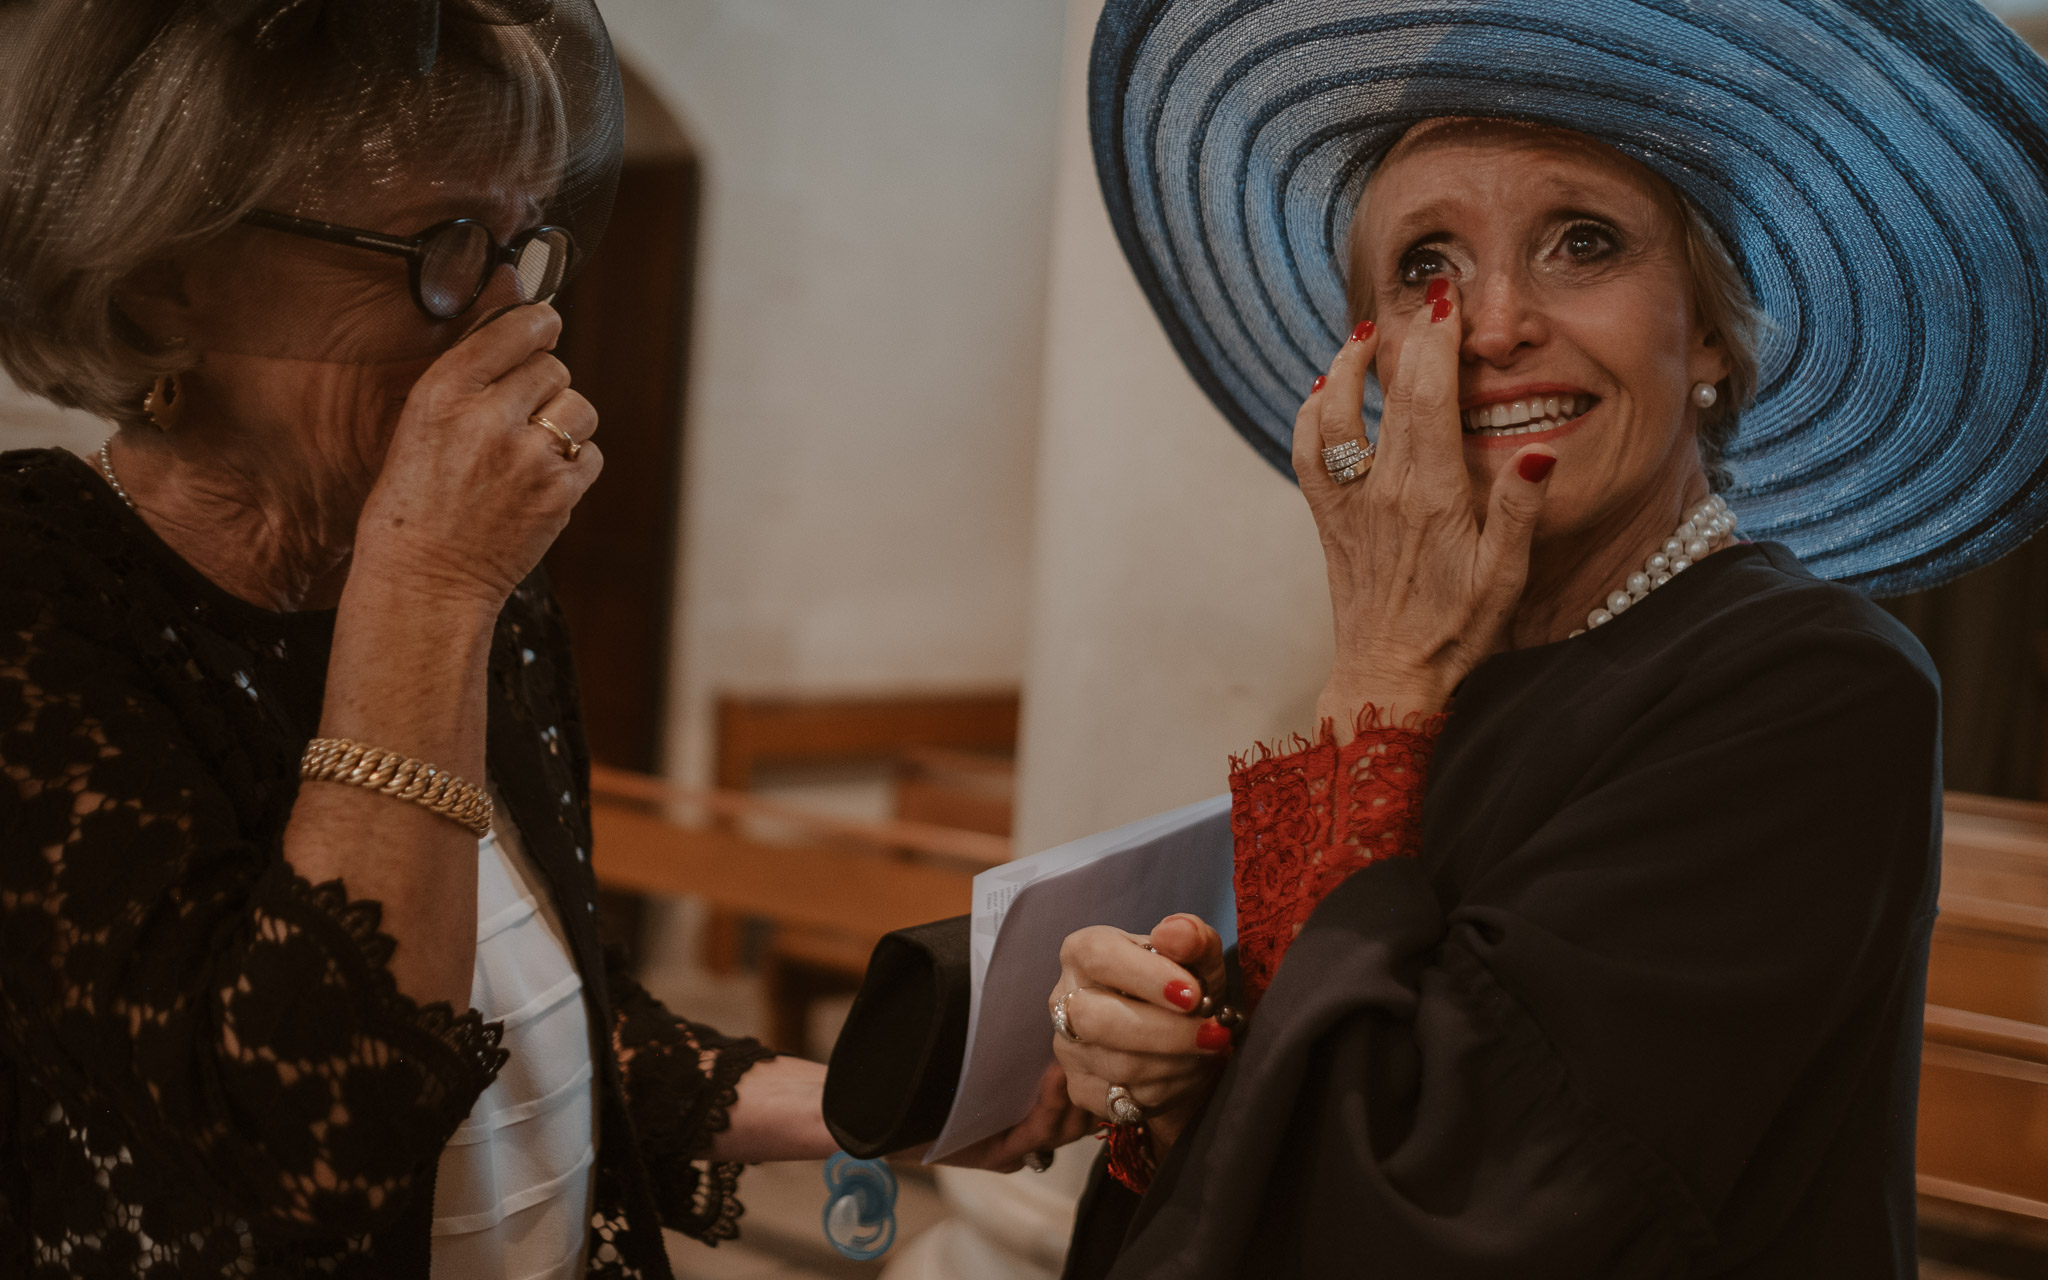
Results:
<point x="896" y="1064"/>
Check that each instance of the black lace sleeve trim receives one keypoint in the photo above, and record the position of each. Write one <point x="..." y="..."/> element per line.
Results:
<point x="682" y="1080"/>
<point x="468" y="1044"/>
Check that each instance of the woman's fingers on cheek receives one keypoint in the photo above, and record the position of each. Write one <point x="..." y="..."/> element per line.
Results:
<point x="1330" y="414"/>
<point x="1308" y="442"/>
<point x="1429" y="359"/>
<point x="1342" y="396"/>
<point x="1414" y="385"/>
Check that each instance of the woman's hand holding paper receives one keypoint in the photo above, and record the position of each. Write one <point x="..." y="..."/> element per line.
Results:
<point x="1053" y="1123"/>
<point x="1131" y="1010"/>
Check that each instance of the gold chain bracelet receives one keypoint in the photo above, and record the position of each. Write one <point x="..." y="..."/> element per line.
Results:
<point x="358" y="764"/>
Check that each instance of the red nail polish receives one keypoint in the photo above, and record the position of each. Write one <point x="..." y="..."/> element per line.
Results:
<point x="1440" y="311"/>
<point x="1536" y="466"/>
<point x="1180" y="995"/>
<point x="1320" y="380"/>
<point x="1362" y="332"/>
<point x="1209" y="1037"/>
<point x="1439" y="289"/>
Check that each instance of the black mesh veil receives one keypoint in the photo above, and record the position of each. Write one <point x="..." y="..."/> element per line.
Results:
<point x="348" y="182"/>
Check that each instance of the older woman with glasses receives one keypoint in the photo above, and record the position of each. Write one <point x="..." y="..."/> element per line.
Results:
<point x="299" y="966"/>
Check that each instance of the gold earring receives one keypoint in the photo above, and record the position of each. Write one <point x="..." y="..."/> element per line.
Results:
<point x="164" y="402"/>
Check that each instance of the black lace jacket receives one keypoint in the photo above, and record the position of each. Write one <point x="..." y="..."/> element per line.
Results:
<point x="205" y="1067"/>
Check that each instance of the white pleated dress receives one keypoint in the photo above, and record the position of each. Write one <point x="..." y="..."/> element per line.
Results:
<point x="512" y="1196"/>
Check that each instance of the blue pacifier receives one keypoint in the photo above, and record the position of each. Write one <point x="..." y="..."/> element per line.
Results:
<point x="860" y="1212"/>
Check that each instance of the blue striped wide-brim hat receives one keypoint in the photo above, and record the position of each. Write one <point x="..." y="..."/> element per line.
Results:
<point x="1878" y="166"/>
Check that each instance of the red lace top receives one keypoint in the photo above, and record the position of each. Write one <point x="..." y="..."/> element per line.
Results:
<point x="1301" y="823"/>
<point x="1304" y="821"/>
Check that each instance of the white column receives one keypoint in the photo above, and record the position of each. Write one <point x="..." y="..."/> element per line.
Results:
<point x="1178" y="610"/>
<point x="1178" y="614"/>
<point x="863" y="382"/>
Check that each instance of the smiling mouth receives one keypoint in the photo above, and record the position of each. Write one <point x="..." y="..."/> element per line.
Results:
<point x="1524" y="417"/>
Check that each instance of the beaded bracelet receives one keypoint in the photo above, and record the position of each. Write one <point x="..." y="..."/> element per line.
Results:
<point x="358" y="764"/>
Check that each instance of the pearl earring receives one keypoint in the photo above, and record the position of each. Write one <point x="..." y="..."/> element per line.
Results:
<point x="1704" y="395"/>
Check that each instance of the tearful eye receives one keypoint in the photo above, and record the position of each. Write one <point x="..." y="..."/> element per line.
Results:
<point x="1421" y="264"/>
<point x="1585" y="242"/>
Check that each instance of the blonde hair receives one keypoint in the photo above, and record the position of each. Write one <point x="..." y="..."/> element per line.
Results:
<point x="1729" y="315"/>
<point x="1722" y="303"/>
<point x="131" y="130"/>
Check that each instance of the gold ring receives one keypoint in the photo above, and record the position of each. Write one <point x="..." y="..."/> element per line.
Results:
<point x="572" y="448"/>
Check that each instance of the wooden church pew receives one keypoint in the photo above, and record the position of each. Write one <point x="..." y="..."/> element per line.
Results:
<point x="1983" y="1122"/>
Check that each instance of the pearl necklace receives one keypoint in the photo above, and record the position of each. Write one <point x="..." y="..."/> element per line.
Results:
<point x="1699" y="533"/>
<point x="113" y="481"/>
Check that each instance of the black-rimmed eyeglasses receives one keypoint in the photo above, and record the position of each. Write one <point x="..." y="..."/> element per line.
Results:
<point x="451" y="262"/>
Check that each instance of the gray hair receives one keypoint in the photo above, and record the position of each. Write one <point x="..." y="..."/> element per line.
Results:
<point x="121" y="138"/>
<point x="131" y="131"/>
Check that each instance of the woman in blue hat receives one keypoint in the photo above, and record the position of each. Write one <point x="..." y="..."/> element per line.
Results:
<point x="1589" y="938"/>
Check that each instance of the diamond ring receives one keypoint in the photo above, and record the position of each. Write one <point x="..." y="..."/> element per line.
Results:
<point x="1123" y="1108"/>
<point x="1348" y="461"/>
<point x="1059" y="1017"/>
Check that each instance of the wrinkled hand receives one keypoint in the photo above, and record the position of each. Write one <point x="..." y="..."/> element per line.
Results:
<point x="1053" y="1123"/>
<point x="1421" y="591"/>
<point x="472" y="492"/>
<point x="1131" y="1010"/>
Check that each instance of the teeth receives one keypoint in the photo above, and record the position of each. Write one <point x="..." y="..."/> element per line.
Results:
<point x="1519" y="417"/>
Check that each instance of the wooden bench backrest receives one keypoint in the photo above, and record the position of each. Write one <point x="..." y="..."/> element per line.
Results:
<point x="767" y="731"/>
<point x="1983" y="1127"/>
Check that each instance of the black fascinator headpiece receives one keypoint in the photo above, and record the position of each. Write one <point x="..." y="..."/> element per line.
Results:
<point x="394" y="35"/>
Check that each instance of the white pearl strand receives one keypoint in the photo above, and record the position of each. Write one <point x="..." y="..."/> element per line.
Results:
<point x="1709" y="523"/>
<point x="113" y="481"/>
